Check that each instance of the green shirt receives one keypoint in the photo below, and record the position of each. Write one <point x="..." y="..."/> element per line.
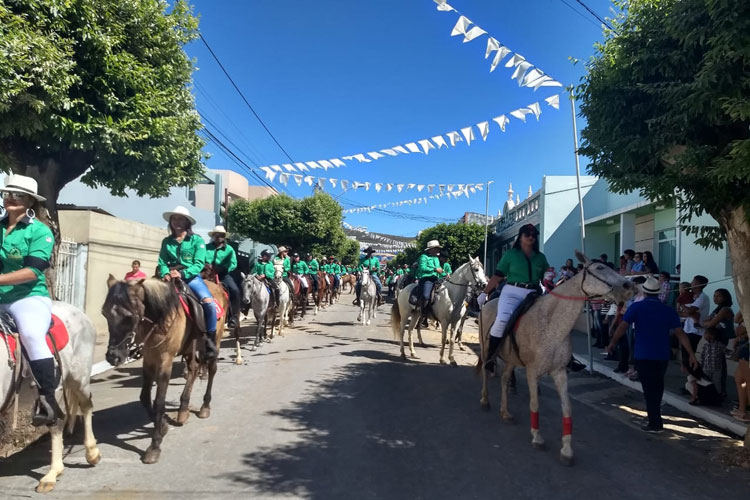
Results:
<point x="399" y="272"/>
<point x="335" y="269"/>
<point x="223" y="258"/>
<point x="190" y="254"/>
<point x="300" y="268"/>
<point x="313" y="266"/>
<point x="373" y="264"/>
<point x="517" y="268"/>
<point x="427" y="265"/>
<point x="265" y="269"/>
<point x="446" y="270"/>
<point x="30" y="238"/>
<point x="326" y="268"/>
<point x="286" y="264"/>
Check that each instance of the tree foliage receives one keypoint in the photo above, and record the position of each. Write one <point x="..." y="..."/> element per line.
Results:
<point x="667" y="104"/>
<point x="100" y="89"/>
<point x="461" y="240"/>
<point x="312" y="224"/>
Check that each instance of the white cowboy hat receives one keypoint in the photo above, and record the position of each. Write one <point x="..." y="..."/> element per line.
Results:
<point x="179" y="211"/>
<point x="433" y="244"/>
<point x="651" y="286"/>
<point x="16" y="183"/>
<point x="283" y="249"/>
<point x="218" y="230"/>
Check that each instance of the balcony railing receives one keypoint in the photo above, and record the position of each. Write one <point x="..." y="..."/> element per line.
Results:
<point x="526" y="209"/>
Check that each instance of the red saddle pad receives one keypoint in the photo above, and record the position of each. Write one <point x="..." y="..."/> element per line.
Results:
<point x="58" y="331"/>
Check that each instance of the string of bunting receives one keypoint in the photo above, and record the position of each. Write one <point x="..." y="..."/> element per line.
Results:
<point x="466" y="191"/>
<point x="423" y="146"/>
<point x="378" y="239"/>
<point x="525" y="73"/>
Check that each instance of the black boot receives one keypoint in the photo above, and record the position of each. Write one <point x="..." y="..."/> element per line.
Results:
<point x="211" y="350"/>
<point x="489" y="363"/>
<point x="232" y="322"/>
<point x="47" y="411"/>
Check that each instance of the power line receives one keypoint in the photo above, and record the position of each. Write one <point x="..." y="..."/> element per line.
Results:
<point x="605" y="23"/>
<point x="216" y="58"/>
<point x="588" y="19"/>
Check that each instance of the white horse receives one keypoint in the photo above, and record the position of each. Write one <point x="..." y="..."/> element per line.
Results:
<point x="448" y="306"/>
<point x="76" y="357"/>
<point x="284" y="305"/>
<point x="541" y="342"/>
<point x="255" y="293"/>
<point x="368" y="297"/>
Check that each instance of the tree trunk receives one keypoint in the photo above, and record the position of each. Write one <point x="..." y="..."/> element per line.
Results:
<point x="737" y="226"/>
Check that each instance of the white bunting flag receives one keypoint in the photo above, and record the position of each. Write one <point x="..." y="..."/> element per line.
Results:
<point x="309" y="180"/>
<point x="461" y="25"/>
<point x="388" y="187"/>
<point x="361" y="158"/>
<point x="515" y="60"/>
<point x="501" y="54"/>
<point x="426" y="145"/>
<point x="474" y="32"/>
<point x="389" y="152"/>
<point x="276" y="167"/>
<point x="536" y="109"/>
<point x="378" y="186"/>
<point x="553" y="101"/>
<point x="333" y="182"/>
<point x="521" y="113"/>
<point x="399" y="187"/>
<point x="289" y="167"/>
<point x="325" y="164"/>
<point x="430" y="187"/>
<point x="374" y="155"/>
<point x="468" y="133"/>
<point x="492" y="46"/>
<point x="298" y="179"/>
<point x="313" y="164"/>
<point x="367" y="186"/>
<point x="284" y="178"/>
<point x="344" y="185"/>
<point x="270" y="174"/>
<point x="410" y="186"/>
<point x="479" y="187"/>
<point x="444" y="6"/>
<point x="520" y="71"/>
<point x="337" y="162"/>
<point x="501" y="120"/>
<point x="441" y="188"/>
<point x="321" y="182"/>
<point x="484" y="129"/>
<point x="450" y="187"/>
<point x="439" y="140"/>
<point x="454" y="137"/>
<point x="420" y="187"/>
<point x="412" y="147"/>
<point x="401" y="150"/>
<point x="301" y="167"/>
<point x="531" y="77"/>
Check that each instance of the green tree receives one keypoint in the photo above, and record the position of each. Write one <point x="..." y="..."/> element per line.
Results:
<point x="99" y="89"/>
<point x="461" y="240"/>
<point x="350" y="252"/>
<point x="667" y="104"/>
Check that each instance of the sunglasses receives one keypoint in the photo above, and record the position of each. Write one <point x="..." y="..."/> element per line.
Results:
<point x="13" y="195"/>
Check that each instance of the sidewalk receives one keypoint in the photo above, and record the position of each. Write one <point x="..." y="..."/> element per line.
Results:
<point x="674" y="381"/>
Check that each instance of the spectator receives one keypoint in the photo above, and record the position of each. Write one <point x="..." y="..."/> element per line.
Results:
<point x="742" y="374"/>
<point x="548" y="281"/>
<point x="649" y="263"/>
<point x="653" y="324"/>
<point x="629" y="258"/>
<point x="637" y="267"/>
<point x="666" y="293"/>
<point x="684" y="297"/>
<point x="623" y="265"/>
<point x="722" y="319"/>
<point x="135" y="273"/>
<point x="704" y="381"/>
<point x="605" y="259"/>
<point x="677" y="269"/>
<point x="695" y="314"/>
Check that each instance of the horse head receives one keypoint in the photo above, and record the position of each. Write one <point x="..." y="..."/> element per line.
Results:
<point x="470" y="273"/>
<point x="123" y="309"/>
<point x="365" y="280"/>
<point x="250" y="286"/>
<point x="600" y="280"/>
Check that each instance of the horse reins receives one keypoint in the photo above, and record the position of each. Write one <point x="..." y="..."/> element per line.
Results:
<point x="587" y="296"/>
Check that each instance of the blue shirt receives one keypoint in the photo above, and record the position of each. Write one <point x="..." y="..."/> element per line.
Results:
<point x="652" y="321"/>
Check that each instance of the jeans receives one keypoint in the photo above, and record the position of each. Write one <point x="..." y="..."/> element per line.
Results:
<point x="378" y="285"/>
<point x="651" y="373"/>
<point x="198" y="286"/>
<point x="234" y="294"/>
<point x="426" y="285"/>
<point x="623" y="353"/>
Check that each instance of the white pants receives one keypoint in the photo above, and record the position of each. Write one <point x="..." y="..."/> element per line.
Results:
<point x="510" y="297"/>
<point x="33" y="316"/>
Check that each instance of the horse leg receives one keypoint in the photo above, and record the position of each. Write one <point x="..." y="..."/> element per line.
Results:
<point x="459" y="332"/>
<point x="238" y="359"/>
<point x="442" y="346"/>
<point x="93" y="455"/>
<point x="360" y="318"/>
<point x="484" y="400"/>
<point x="148" y="382"/>
<point x="192" y="373"/>
<point x="531" y="377"/>
<point x="561" y="382"/>
<point x="205" y="410"/>
<point x="504" y="382"/>
<point x="450" y="347"/>
<point x="160" y="419"/>
<point x="47" y="483"/>
<point x="412" y="353"/>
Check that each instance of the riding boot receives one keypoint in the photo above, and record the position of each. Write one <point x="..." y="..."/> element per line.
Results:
<point x="47" y="411"/>
<point x="211" y="350"/>
<point x="232" y="322"/>
<point x="489" y="363"/>
<point x="356" y="299"/>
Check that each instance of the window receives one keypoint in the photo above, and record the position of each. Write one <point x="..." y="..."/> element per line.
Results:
<point x="667" y="249"/>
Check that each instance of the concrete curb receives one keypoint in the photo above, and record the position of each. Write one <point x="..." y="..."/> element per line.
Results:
<point x="713" y="417"/>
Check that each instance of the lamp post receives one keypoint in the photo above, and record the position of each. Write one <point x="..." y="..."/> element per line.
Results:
<point x="486" y="221"/>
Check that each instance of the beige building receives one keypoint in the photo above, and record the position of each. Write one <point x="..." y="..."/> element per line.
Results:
<point x="228" y="186"/>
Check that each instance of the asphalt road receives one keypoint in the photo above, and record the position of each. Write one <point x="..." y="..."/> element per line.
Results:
<point x="330" y="411"/>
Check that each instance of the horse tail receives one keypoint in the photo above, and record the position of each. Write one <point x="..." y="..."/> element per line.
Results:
<point x="396" y="320"/>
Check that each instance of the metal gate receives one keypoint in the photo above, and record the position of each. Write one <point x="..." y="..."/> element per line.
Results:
<point x="70" y="273"/>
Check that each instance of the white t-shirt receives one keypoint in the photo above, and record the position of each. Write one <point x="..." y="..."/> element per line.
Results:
<point x="701" y="303"/>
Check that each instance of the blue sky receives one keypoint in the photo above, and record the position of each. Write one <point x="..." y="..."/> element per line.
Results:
<point x="333" y="78"/>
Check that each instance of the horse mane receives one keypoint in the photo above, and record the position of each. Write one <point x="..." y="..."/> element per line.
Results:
<point x="119" y="293"/>
<point x="160" y="300"/>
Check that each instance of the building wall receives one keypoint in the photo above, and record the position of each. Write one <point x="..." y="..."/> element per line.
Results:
<point x="708" y="262"/>
<point x="644" y="233"/>
<point x="113" y="243"/>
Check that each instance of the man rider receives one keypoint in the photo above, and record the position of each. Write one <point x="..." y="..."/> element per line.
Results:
<point x="265" y="272"/>
<point x="299" y="267"/>
<point x="222" y="258"/>
<point x="444" y="264"/>
<point x="373" y="265"/>
<point x="312" y="270"/>
<point x="282" y="263"/>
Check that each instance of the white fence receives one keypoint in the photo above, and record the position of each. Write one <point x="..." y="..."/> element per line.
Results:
<point x="70" y="273"/>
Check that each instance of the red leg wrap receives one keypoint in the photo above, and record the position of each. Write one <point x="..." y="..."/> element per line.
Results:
<point x="567" y="426"/>
<point x="535" y="420"/>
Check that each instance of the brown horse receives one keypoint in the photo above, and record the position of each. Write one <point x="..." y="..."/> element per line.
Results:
<point x="150" y="312"/>
<point x="333" y="291"/>
<point x="320" y="297"/>
<point x="351" y="280"/>
<point x="208" y="274"/>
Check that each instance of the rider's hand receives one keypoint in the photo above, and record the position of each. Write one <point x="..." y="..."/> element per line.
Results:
<point x="481" y="299"/>
<point x="166" y="277"/>
<point x="609" y="349"/>
<point x="439" y="270"/>
<point x="174" y="273"/>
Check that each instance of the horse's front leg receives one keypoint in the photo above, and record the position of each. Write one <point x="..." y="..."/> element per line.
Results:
<point x="238" y="358"/>
<point x="93" y="455"/>
<point x="532" y="379"/>
<point x="561" y="382"/>
<point x="205" y="410"/>
<point x="450" y="347"/>
<point x="442" y="345"/>
<point x="160" y="418"/>
<point x="192" y="373"/>
<point x="47" y="483"/>
<point x="148" y="382"/>
<point x="504" y="383"/>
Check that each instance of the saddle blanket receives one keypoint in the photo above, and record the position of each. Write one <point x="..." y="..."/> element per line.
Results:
<point x="57" y="331"/>
<point x="186" y="308"/>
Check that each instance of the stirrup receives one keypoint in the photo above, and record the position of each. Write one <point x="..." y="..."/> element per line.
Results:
<point x="46" y="412"/>
<point x="211" y="350"/>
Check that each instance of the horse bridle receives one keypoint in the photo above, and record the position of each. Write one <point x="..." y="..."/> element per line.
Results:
<point x="473" y="276"/>
<point x="587" y="272"/>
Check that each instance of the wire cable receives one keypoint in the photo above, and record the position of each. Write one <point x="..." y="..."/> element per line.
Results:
<point x="603" y="21"/>
<point x="588" y="19"/>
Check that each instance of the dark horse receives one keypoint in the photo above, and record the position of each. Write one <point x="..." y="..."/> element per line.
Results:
<point x="149" y="312"/>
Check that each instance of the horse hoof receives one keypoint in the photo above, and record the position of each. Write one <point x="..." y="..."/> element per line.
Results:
<point x="238" y="361"/>
<point x="453" y="362"/>
<point x="205" y="412"/>
<point x="151" y="456"/>
<point x="403" y="356"/>
<point x="413" y="355"/>
<point x="182" y="417"/>
<point x="442" y="361"/>
<point x="508" y="419"/>
<point x="485" y="406"/>
<point x="94" y="456"/>
<point x="539" y="446"/>
<point x="45" y="486"/>
<point x="567" y="461"/>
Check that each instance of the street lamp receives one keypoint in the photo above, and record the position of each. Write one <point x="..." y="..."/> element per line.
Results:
<point x="486" y="222"/>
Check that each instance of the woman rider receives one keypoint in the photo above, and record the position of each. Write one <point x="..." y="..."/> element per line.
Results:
<point x="312" y="270"/>
<point x="428" y="270"/>
<point x="283" y="264"/>
<point x="299" y="267"/>
<point x="523" y="267"/>
<point x="183" y="256"/>
<point x="372" y="264"/>
<point x="444" y="256"/>
<point x="25" y="250"/>
<point x="223" y="260"/>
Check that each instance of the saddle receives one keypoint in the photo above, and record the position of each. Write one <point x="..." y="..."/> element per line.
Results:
<point x="416" y="294"/>
<point x="193" y="308"/>
<point x="515" y="318"/>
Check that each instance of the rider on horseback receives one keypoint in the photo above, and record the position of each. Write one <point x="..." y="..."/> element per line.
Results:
<point x="312" y="270"/>
<point x="444" y="264"/>
<point x="183" y="256"/>
<point x="523" y="267"/>
<point x="335" y="269"/>
<point x="372" y="264"/>
<point x="264" y="271"/>
<point x="222" y="258"/>
<point x="25" y="250"/>
<point x="282" y="263"/>
<point x="428" y="270"/>
<point x="300" y="269"/>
